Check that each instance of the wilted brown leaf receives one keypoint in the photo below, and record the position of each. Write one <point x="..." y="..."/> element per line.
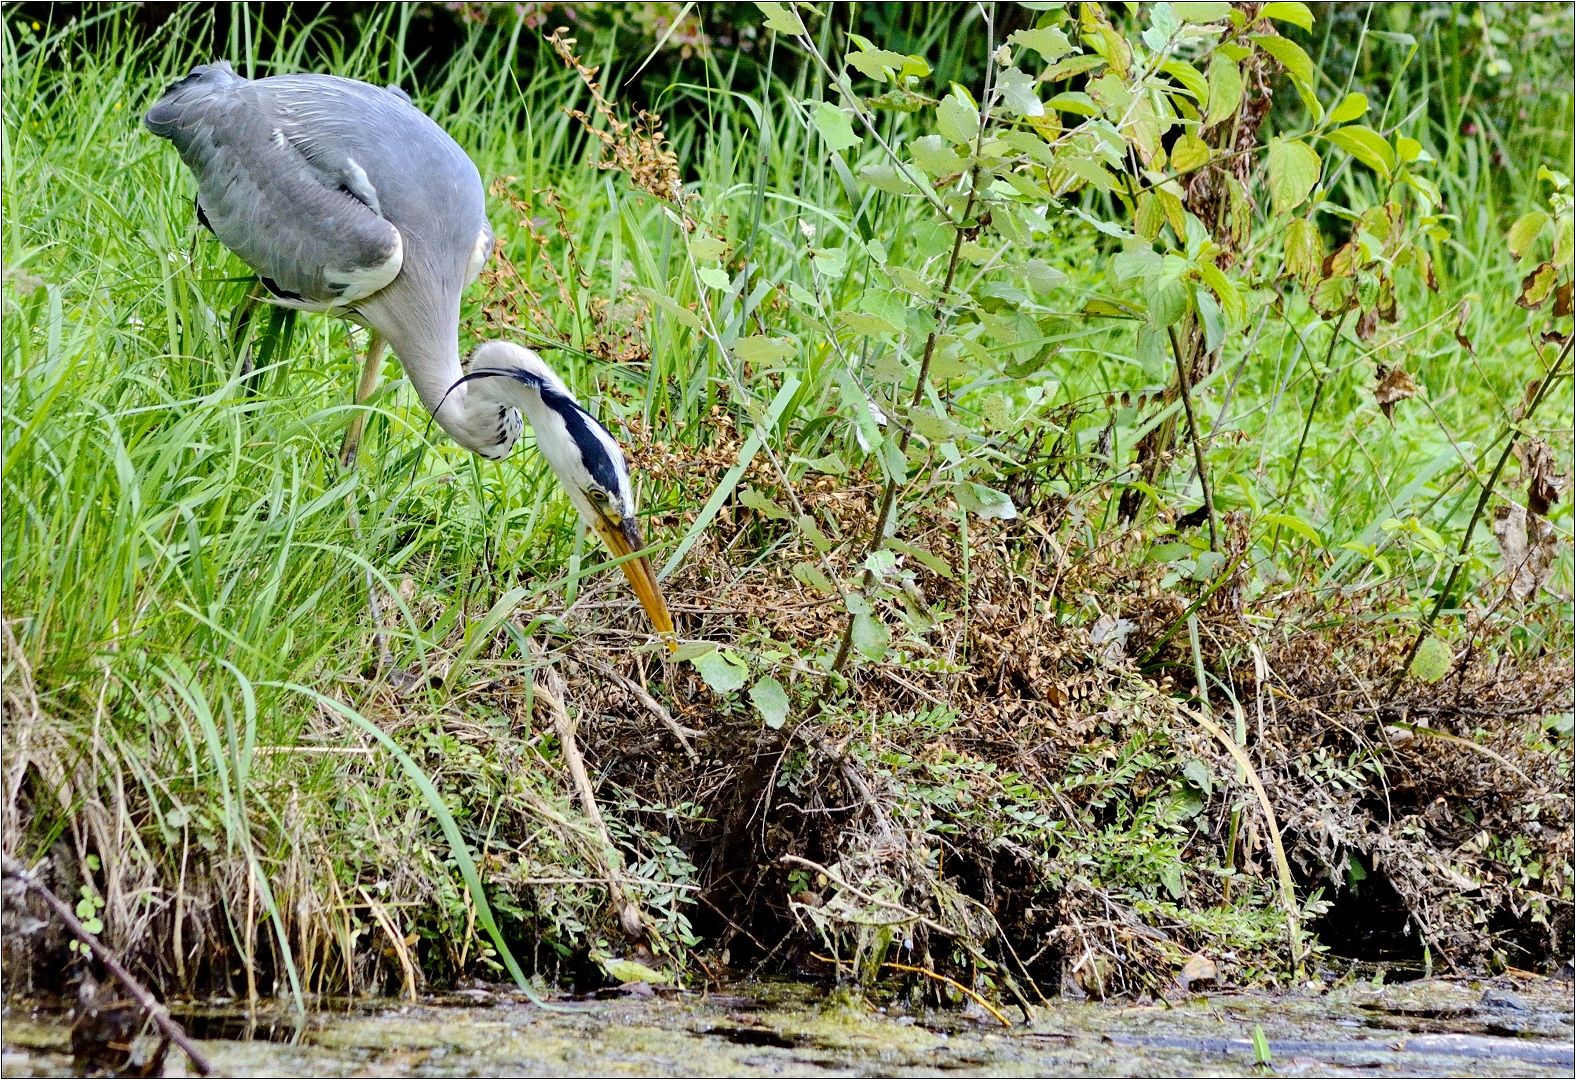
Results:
<point x="1462" y="314"/>
<point x="1526" y="549"/>
<point x="1367" y="323"/>
<point x="1198" y="969"/>
<point x="1562" y="301"/>
<point x="1394" y="384"/>
<point x="1536" y="286"/>
<point x="1540" y="474"/>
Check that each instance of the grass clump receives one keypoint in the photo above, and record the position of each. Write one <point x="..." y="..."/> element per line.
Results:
<point x="1002" y="439"/>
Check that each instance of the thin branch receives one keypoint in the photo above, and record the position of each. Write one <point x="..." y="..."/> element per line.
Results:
<point x="156" y="1011"/>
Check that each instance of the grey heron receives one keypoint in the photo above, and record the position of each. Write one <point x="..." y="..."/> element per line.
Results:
<point x="347" y="199"/>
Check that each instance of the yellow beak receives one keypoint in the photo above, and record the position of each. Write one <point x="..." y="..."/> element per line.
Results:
<point x="622" y="539"/>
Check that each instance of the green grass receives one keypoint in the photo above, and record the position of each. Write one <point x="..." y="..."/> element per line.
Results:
<point x="180" y="556"/>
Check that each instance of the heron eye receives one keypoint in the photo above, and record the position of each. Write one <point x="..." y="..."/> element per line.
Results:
<point x="598" y="495"/>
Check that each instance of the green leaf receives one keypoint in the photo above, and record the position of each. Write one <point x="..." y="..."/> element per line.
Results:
<point x="706" y="248"/>
<point x="1288" y="11"/>
<point x="1366" y="145"/>
<point x="1202" y="13"/>
<point x="632" y="971"/>
<point x="813" y="578"/>
<point x="1074" y="101"/>
<point x="714" y="276"/>
<point x="1409" y="150"/>
<point x="723" y="671"/>
<point x="1017" y="93"/>
<point x="834" y="126"/>
<point x="1432" y="661"/>
<point x="1189" y="153"/>
<point x="760" y="349"/>
<point x="1188" y="77"/>
<point x="1294" y="169"/>
<point x="1536" y="286"/>
<point x="983" y="501"/>
<point x="781" y="18"/>
<point x="1351" y="107"/>
<point x="957" y="119"/>
<point x="1085" y="169"/>
<point x="924" y="555"/>
<point x="1296" y="525"/>
<point x="875" y="63"/>
<point x="1291" y="56"/>
<point x="763" y="505"/>
<point x="683" y="314"/>
<point x="865" y="324"/>
<point x="1225" y="90"/>
<point x="871" y="636"/>
<point x="933" y="155"/>
<point x="1304" y="248"/>
<point x="772" y="700"/>
<point x="887" y="178"/>
<point x="1231" y="301"/>
<point x="1048" y="41"/>
<point x="1525" y="231"/>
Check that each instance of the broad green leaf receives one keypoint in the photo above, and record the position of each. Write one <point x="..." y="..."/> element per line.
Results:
<point x="957" y="119"/>
<point x="1073" y="65"/>
<point x="772" y="700"/>
<point x="1294" y="169"/>
<point x="706" y="248"/>
<point x="984" y="501"/>
<point x="1231" y="302"/>
<point x="632" y="971"/>
<point x="1225" y="90"/>
<point x="1296" y="525"/>
<point x="1291" y="56"/>
<point x="1351" y="107"/>
<point x="1366" y="145"/>
<point x="1085" y="169"/>
<point x="723" y="671"/>
<point x="933" y="427"/>
<point x="874" y="63"/>
<point x="760" y="349"/>
<point x="1167" y="297"/>
<point x="1432" y="661"/>
<point x="812" y="532"/>
<point x="1189" y="153"/>
<point x="866" y="324"/>
<point x="1202" y="13"/>
<point x="834" y="126"/>
<point x="1048" y="41"/>
<point x="715" y="276"/>
<point x="871" y="636"/>
<point x="887" y="178"/>
<point x="1536" y="286"/>
<point x="781" y="18"/>
<point x="1288" y="11"/>
<point x="1076" y="102"/>
<point x="1304" y="248"/>
<point x="1525" y="231"/>
<point x="683" y="314"/>
<point x="1188" y="77"/>
<point x="924" y="555"/>
<point x="1017" y="93"/>
<point x="764" y="505"/>
<point x="813" y="577"/>
<point x="1042" y="276"/>
<point x="931" y="153"/>
<point x="1409" y="150"/>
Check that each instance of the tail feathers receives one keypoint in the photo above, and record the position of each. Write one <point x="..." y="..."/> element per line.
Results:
<point x="165" y="115"/>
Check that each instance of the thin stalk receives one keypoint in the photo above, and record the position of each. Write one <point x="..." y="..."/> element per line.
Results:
<point x="1307" y="424"/>
<point x="1198" y="445"/>
<point x="1554" y="372"/>
<point x="889" y="496"/>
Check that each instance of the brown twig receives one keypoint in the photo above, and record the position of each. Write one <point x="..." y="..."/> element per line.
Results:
<point x="151" y="1005"/>
<point x="550" y="691"/>
<point x="1186" y="384"/>
<point x="1554" y="372"/>
<point x="653" y="706"/>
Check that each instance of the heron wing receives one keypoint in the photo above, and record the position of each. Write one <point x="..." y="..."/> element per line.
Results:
<point x="292" y="202"/>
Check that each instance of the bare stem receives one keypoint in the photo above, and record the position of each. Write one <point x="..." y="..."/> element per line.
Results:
<point x="1198" y="445"/>
<point x="1307" y="424"/>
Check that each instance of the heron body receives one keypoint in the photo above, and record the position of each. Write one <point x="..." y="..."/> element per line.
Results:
<point x="347" y="199"/>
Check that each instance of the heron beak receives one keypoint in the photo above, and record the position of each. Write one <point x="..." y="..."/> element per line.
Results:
<point x="622" y="538"/>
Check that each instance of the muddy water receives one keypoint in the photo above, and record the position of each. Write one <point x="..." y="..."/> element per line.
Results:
<point x="1504" y="1027"/>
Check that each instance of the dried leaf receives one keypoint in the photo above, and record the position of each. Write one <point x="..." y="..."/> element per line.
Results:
<point x="1462" y="314"/>
<point x="1539" y="473"/>
<point x="1562" y="301"/>
<point x="1527" y="547"/>
<point x="1198" y="969"/>
<point x="1394" y="384"/>
<point x="1367" y="323"/>
<point x="1536" y="286"/>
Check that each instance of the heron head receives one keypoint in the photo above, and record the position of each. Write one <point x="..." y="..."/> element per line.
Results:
<point x="582" y="453"/>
